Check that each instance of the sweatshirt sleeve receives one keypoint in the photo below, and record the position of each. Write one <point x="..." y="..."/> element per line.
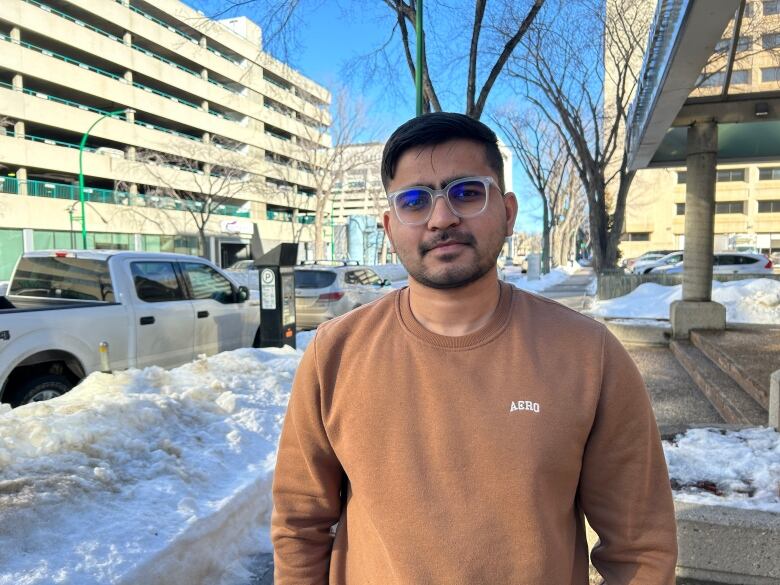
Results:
<point x="306" y="486"/>
<point x="624" y="484"/>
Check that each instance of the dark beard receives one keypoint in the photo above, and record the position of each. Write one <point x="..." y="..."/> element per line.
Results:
<point x="461" y="277"/>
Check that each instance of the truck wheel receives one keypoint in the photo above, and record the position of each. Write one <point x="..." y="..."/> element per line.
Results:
<point x="40" y="388"/>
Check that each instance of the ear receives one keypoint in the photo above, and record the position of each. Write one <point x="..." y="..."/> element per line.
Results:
<point x="510" y="206"/>
<point x="386" y="221"/>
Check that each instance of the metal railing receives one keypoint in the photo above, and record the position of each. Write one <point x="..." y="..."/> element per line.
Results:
<point x="52" y="190"/>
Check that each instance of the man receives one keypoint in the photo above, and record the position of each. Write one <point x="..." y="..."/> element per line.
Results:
<point x="454" y="432"/>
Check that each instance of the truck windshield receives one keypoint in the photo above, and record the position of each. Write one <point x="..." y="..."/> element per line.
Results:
<point x="62" y="278"/>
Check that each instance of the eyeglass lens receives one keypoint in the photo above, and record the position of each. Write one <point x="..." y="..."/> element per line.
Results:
<point x="466" y="198"/>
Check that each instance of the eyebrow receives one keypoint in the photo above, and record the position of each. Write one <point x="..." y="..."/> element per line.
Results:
<point x="444" y="183"/>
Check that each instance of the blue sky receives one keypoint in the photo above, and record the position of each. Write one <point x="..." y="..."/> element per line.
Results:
<point x="333" y="38"/>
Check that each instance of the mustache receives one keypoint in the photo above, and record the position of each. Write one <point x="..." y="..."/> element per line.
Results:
<point x="446" y="237"/>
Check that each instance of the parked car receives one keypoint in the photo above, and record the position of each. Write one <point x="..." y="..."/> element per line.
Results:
<point x="646" y="257"/>
<point x="242" y="265"/>
<point x="324" y="290"/>
<point x="150" y="308"/>
<point x="648" y="265"/>
<point x="730" y="263"/>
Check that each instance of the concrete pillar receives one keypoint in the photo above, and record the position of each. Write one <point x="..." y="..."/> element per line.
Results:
<point x="16" y="34"/>
<point x="131" y="153"/>
<point x="130" y="116"/>
<point x="207" y="169"/>
<point x="204" y="73"/>
<point x="700" y="211"/>
<point x="127" y="38"/>
<point x="132" y="191"/>
<point x="19" y="129"/>
<point x="774" y="401"/>
<point x="21" y="177"/>
<point x="203" y="43"/>
<point x="695" y="310"/>
<point x="18" y="82"/>
<point x="128" y="77"/>
<point x="206" y="138"/>
<point x="204" y="105"/>
<point x="28" y="243"/>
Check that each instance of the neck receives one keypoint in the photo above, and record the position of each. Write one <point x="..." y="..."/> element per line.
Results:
<point x="455" y="311"/>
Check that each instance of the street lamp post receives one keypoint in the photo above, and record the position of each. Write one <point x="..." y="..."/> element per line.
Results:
<point x="81" y="171"/>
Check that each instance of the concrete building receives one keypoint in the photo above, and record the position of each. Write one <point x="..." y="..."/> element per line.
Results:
<point x="747" y="208"/>
<point x="199" y="131"/>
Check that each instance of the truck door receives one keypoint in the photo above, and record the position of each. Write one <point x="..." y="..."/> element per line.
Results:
<point x="219" y="317"/>
<point x="164" y="317"/>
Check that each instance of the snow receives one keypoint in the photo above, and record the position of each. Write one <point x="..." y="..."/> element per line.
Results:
<point x="514" y="275"/>
<point x="755" y="300"/>
<point x="121" y="479"/>
<point x="732" y="463"/>
<point x="98" y="481"/>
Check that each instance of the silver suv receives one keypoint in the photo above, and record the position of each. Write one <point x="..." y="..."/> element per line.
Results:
<point x="325" y="289"/>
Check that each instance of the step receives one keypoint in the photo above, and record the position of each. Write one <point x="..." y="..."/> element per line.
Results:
<point x="734" y="404"/>
<point x="758" y="390"/>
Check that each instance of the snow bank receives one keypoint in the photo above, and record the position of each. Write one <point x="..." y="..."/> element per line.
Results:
<point x="730" y="468"/>
<point x="755" y="300"/>
<point x="514" y="275"/>
<point x="99" y="481"/>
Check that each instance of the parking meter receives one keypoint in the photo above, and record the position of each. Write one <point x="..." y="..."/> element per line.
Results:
<point x="277" y="296"/>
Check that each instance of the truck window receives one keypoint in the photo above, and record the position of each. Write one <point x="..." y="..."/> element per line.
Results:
<point x="207" y="283"/>
<point x="62" y="278"/>
<point x="156" y="282"/>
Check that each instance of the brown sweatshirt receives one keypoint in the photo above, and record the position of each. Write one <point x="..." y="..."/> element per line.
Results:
<point x="470" y="460"/>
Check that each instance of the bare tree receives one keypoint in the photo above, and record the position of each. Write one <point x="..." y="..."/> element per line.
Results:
<point x="326" y="152"/>
<point x="549" y="168"/>
<point x="200" y="178"/>
<point x="580" y="69"/>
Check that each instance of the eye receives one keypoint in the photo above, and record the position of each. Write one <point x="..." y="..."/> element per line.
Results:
<point x="412" y="200"/>
<point x="469" y="191"/>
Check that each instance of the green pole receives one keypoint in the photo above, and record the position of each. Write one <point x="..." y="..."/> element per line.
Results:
<point x="81" y="173"/>
<point x="418" y="78"/>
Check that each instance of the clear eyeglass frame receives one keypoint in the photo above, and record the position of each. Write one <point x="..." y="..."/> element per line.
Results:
<point x="436" y="193"/>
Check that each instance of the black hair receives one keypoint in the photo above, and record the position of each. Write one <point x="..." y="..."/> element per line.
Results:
<point x="437" y="128"/>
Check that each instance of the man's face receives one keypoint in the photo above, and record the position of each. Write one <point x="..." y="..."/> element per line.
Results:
<point x="448" y="251"/>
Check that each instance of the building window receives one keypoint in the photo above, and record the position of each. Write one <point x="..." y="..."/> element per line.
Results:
<point x="724" y="45"/>
<point x="769" y="74"/>
<point x="636" y="237"/>
<point x="713" y="79"/>
<point x="750" y="9"/>
<point x="740" y="76"/>
<point x="731" y="175"/>
<point x="725" y="207"/>
<point x="769" y="174"/>
<point x="769" y="206"/>
<point x="682" y="176"/>
<point x="680" y="208"/>
<point x="771" y="7"/>
<point x="771" y="41"/>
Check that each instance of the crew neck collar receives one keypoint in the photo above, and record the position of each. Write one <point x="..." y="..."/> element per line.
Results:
<point x="490" y="330"/>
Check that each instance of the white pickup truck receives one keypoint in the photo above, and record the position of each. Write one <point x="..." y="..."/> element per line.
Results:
<point x="149" y="308"/>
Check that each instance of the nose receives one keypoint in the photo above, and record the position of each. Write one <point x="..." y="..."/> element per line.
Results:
<point x="442" y="216"/>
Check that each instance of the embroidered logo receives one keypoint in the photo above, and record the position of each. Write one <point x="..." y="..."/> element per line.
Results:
<point x="525" y="405"/>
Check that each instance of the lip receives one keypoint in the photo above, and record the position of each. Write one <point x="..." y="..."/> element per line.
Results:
<point x="448" y="246"/>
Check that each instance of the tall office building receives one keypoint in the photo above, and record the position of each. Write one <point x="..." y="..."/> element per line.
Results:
<point x="747" y="209"/>
<point x="193" y="131"/>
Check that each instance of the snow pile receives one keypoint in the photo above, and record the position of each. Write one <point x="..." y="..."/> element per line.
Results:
<point x="513" y="275"/>
<point x="96" y="483"/>
<point x="731" y="468"/>
<point x="755" y="300"/>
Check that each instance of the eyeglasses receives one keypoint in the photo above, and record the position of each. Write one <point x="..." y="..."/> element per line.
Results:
<point x="465" y="198"/>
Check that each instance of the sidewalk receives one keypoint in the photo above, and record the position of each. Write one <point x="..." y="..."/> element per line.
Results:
<point x="573" y="292"/>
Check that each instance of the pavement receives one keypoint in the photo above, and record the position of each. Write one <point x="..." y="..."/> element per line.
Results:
<point x="675" y="398"/>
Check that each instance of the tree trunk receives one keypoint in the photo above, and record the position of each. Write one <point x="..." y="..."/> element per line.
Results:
<point x="545" y="239"/>
<point x="319" y="226"/>
<point x="204" y="247"/>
